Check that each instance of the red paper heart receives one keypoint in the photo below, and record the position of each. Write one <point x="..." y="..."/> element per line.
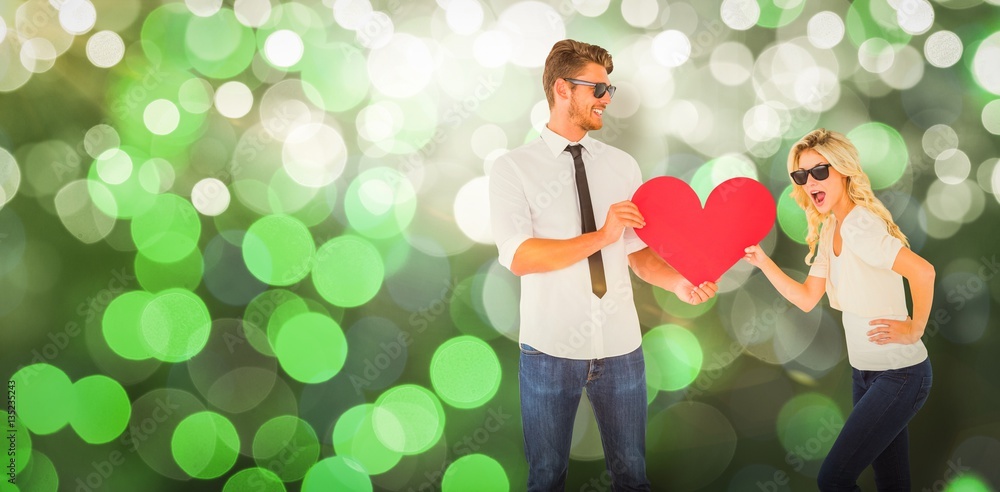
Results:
<point x="701" y="244"/>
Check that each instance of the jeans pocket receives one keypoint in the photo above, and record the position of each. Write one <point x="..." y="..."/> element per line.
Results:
<point x="923" y="393"/>
<point x="528" y="349"/>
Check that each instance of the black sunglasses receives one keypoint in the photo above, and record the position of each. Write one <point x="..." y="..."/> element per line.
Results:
<point x="599" y="87"/>
<point x="820" y="172"/>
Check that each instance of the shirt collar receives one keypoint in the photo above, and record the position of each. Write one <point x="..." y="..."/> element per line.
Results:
<point x="557" y="143"/>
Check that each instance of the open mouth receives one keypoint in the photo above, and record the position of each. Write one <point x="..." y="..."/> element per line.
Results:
<point x="599" y="112"/>
<point x="818" y="197"/>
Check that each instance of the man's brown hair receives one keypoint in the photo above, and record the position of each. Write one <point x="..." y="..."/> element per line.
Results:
<point x="567" y="58"/>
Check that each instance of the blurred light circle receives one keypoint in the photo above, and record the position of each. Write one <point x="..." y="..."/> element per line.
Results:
<point x="196" y="95"/>
<point x="472" y="210"/>
<point x="286" y="107"/>
<point x="77" y="16"/>
<point x="278" y="249"/>
<point x="114" y="166"/>
<point x="408" y="419"/>
<point x="818" y="89"/>
<point x="283" y="48"/>
<point x="808" y="425"/>
<point x="492" y="49"/>
<point x="500" y="300"/>
<point x="99" y="139"/>
<point x="673" y="357"/>
<point x="210" y="196"/>
<point x="287" y="445"/>
<point x="336" y="473"/>
<point x="876" y="55"/>
<point x="348" y="271"/>
<point x="161" y="117"/>
<point x="175" y="325"/>
<point x="252" y="13"/>
<point x="379" y="121"/>
<point x="671" y="48"/>
<point x="883" y="152"/>
<point x="991" y="116"/>
<point x="256" y="479"/>
<point x="105" y="49"/>
<point x="10" y="177"/>
<point x="38" y="55"/>
<point x="692" y="443"/>
<point x="984" y="174"/>
<point x="203" y="8"/>
<point x="475" y="472"/>
<point x="337" y="76"/>
<point x="952" y="166"/>
<point x="102" y="409"/>
<point x="156" y="175"/>
<point x="938" y="139"/>
<point x="45" y="398"/>
<point x="825" y="30"/>
<point x="591" y="8"/>
<point x="218" y="46"/>
<point x="740" y="15"/>
<point x="731" y="63"/>
<point x="948" y="202"/>
<point x="761" y="123"/>
<point x="906" y="71"/>
<point x="464" y="16"/>
<point x="986" y="63"/>
<point x="465" y="372"/>
<point x="233" y="99"/>
<point x="640" y="13"/>
<point x="375" y="31"/>
<point x="791" y="217"/>
<point x="354" y="438"/>
<point x="350" y="14"/>
<point x="380" y="202"/>
<point x="935" y="226"/>
<point x="976" y="201"/>
<point x="168" y="230"/>
<point x="401" y="68"/>
<point x="311" y="347"/>
<point x="943" y="49"/>
<point x="77" y="207"/>
<point x="314" y="155"/>
<point x="532" y="27"/>
<point x="486" y="139"/>
<point x="205" y="445"/>
<point x="915" y="16"/>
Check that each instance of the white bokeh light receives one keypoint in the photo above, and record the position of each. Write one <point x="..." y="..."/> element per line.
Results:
<point x="740" y="15"/>
<point x="77" y="16"/>
<point x="915" y="16"/>
<point x="464" y="16"/>
<point x="203" y="8"/>
<point x="671" y="48"/>
<point x="825" y="30"/>
<point x="640" y="13"/>
<point x="114" y="166"/>
<point x="991" y="116"/>
<point x="252" y="13"/>
<point x="210" y="197"/>
<point x="233" y="99"/>
<point x="472" y="210"/>
<point x="731" y="63"/>
<point x="161" y="117"/>
<point x="283" y="48"/>
<point x="10" y="177"/>
<point x="986" y="63"/>
<point x="38" y="55"/>
<point x="943" y="49"/>
<point x="532" y="28"/>
<point x="876" y="55"/>
<point x="350" y="14"/>
<point x="402" y="68"/>
<point x="492" y="49"/>
<point x="952" y="166"/>
<point x="591" y="8"/>
<point x="314" y="155"/>
<point x="105" y="49"/>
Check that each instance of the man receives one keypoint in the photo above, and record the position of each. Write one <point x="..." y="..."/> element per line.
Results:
<point x="562" y="221"/>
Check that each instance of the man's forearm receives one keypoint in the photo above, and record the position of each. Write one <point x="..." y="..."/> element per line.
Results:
<point x="537" y="255"/>
<point x="648" y="266"/>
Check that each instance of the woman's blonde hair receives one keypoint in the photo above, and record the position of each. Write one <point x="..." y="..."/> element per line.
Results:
<point x="843" y="156"/>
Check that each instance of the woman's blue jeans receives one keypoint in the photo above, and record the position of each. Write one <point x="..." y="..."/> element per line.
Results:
<point x="875" y="433"/>
<point x="550" y="394"/>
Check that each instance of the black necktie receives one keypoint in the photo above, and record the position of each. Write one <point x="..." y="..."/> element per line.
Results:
<point x="597" y="282"/>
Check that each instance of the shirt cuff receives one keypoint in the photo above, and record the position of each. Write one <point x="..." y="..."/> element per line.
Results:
<point x="509" y="247"/>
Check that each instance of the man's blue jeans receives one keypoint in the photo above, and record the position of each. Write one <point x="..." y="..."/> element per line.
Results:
<point x="550" y="394"/>
<point x="875" y="433"/>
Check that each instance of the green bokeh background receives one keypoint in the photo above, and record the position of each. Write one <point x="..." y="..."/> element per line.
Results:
<point x="334" y="317"/>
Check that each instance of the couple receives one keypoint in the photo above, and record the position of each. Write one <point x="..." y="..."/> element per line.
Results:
<point x="579" y="327"/>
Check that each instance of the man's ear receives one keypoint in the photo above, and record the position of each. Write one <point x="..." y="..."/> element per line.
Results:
<point x="562" y="89"/>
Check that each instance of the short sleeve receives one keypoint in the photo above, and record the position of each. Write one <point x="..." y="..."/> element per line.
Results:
<point x="510" y="214"/>
<point x="868" y="238"/>
<point x="632" y="241"/>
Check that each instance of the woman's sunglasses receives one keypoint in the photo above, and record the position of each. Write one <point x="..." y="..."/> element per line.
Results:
<point x="599" y="87"/>
<point x="819" y="172"/>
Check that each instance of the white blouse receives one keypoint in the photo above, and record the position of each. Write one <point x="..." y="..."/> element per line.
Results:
<point x="860" y="282"/>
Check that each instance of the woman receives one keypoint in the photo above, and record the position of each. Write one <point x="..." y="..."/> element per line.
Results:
<point x="860" y="259"/>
